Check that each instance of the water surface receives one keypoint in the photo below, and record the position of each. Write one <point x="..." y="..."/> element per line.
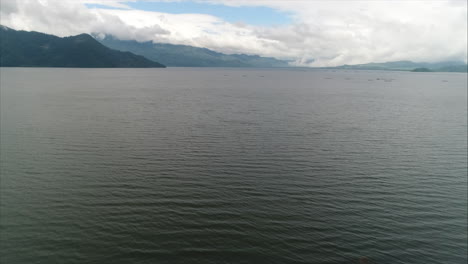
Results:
<point x="186" y="165"/>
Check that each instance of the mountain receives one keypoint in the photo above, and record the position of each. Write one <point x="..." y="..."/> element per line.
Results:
<point x="444" y="66"/>
<point x="34" y="49"/>
<point x="188" y="56"/>
<point x="453" y="68"/>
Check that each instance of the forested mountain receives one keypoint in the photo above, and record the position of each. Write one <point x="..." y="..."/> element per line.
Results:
<point x="34" y="49"/>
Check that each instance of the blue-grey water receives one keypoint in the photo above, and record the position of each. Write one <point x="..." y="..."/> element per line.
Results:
<point x="232" y="166"/>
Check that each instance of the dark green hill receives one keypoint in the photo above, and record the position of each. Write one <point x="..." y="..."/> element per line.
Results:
<point x="421" y="70"/>
<point x="34" y="49"/>
<point x="188" y="56"/>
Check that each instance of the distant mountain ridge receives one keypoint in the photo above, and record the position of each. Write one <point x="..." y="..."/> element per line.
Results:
<point x="189" y="56"/>
<point x="34" y="49"/>
<point x="444" y="66"/>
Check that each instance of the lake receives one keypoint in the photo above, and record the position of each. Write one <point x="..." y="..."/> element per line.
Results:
<point x="200" y="165"/>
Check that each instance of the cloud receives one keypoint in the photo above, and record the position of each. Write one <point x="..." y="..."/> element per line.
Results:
<point x="350" y="32"/>
<point x="324" y="33"/>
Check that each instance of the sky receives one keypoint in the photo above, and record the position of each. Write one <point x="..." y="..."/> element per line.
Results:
<point x="308" y="32"/>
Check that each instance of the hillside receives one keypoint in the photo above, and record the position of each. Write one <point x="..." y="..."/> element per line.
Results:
<point x="34" y="49"/>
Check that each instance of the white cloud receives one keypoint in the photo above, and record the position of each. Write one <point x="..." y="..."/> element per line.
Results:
<point x="325" y="32"/>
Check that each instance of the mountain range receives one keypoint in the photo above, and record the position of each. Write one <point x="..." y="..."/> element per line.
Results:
<point x="34" y="49"/>
<point x="444" y="66"/>
<point x="189" y="56"/>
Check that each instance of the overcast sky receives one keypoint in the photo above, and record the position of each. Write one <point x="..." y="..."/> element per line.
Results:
<point x="312" y="33"/>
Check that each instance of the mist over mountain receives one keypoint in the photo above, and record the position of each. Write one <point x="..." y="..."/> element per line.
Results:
<point x="188" y="56"/>
<point x="34" y="49"/>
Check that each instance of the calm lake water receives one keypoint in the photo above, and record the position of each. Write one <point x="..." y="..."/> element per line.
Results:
<point x="186" y="165"/>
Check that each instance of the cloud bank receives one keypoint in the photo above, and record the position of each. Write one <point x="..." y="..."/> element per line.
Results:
<point x="323" y="33"/>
